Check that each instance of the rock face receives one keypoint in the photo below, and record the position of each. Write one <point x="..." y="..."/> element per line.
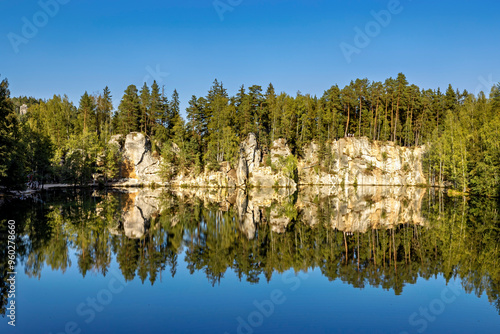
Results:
<point x="279" y="148"/>
<point x="138" y="165"/>
<point x="249" y="170"/>
<point x="347" y="161"/>
<point x="362" y="162"/>
<point x="263" y="176"/>
<point x="351" y="161"/>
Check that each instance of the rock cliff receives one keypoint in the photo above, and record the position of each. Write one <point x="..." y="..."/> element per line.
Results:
<point x="249" y="172"/>
<point x="347" y="161"/>
<point x="359" y="161"/>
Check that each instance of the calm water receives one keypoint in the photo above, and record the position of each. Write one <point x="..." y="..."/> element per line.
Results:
<point x="364" y="260"/>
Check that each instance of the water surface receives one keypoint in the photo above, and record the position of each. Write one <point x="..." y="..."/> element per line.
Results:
<point x="322" y="260"/>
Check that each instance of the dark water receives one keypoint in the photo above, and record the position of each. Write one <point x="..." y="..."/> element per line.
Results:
<point x="364" y="260"/>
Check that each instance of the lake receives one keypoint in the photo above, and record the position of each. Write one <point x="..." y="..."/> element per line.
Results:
<point x="320" y="260"/>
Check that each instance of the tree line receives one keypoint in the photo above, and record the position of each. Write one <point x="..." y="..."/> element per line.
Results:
<point x="460" y="130"/>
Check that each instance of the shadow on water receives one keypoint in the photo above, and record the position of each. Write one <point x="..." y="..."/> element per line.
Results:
<point x="375" y="236"/>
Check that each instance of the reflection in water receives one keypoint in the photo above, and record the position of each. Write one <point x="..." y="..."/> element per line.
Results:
<point x="378" y="236"/>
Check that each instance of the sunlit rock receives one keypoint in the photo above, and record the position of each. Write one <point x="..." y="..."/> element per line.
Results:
<point x="138" y="166"/>
<point x="359" y="161"/>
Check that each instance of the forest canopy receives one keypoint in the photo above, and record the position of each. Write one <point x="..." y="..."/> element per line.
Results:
<point x="58" y="141"/>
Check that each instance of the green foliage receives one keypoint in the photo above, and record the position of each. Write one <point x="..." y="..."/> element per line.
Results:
<point x="317" y="169"/>
<point x="128" y="118"/>
<point x="465" y="152"/>
<point x="370" y="168"/>
<point x="112" y="162"/>
<point x="168" y="167"/>
<point x="268" y="161"/>
<point x="290" y="169"/>
<point x="460" y="130"/>
<point x="23" y="150"/>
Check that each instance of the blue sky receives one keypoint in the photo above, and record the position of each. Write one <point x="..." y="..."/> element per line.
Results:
<point x="86" y="45"/>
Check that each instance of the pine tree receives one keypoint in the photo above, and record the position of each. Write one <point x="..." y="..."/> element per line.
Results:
<point x="87" y="113"/>
<point x="244" y="113"/>
<point x="333" y="109"/>
<point x="145" y="107"/>
<point x="450" y="99"/>
<point x="155" y="112"/>
<point x="349" y="104"/>
<point x="259" y="119"/>
<point x="401" y="91"/>
<point x="271" y="104"/>
<point x="197" y="128"/>
<point x="376" y="91"/>
<point x="360" y="88"/>
<point x="12" y="160"/>
<point x="129" y="111"/>
<point x="104" y="109"/>
<point x="174" y="114"/>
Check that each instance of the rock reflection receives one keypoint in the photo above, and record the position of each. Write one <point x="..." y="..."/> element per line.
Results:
<point x="363" y="208"/>
<point x="349" y="210"/>
<point x="138" y="209"/>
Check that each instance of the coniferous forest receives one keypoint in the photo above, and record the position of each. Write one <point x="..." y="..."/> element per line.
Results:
<point x="58" y="141"/>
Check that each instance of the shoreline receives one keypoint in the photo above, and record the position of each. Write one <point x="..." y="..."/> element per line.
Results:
<point x="118" y="185"/>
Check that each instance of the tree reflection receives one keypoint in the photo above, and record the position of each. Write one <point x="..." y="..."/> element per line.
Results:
<point x="381" y="238"/>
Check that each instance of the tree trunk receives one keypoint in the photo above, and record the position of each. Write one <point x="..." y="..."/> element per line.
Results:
<point x="347" y="123"/>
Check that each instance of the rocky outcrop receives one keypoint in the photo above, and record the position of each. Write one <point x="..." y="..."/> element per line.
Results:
<point x="359" y="161"/>
<point x="262" y="176"/>
<point x="347" y="161"/>
<point x="249" y="159"/>
<point x="225" y="177"/>
<point x="279" y="150"/>
<point x="138" y="166"/>
<point x="249" y="172"/>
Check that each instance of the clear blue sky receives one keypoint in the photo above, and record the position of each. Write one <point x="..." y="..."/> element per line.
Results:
<point x="86" y="45"/>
